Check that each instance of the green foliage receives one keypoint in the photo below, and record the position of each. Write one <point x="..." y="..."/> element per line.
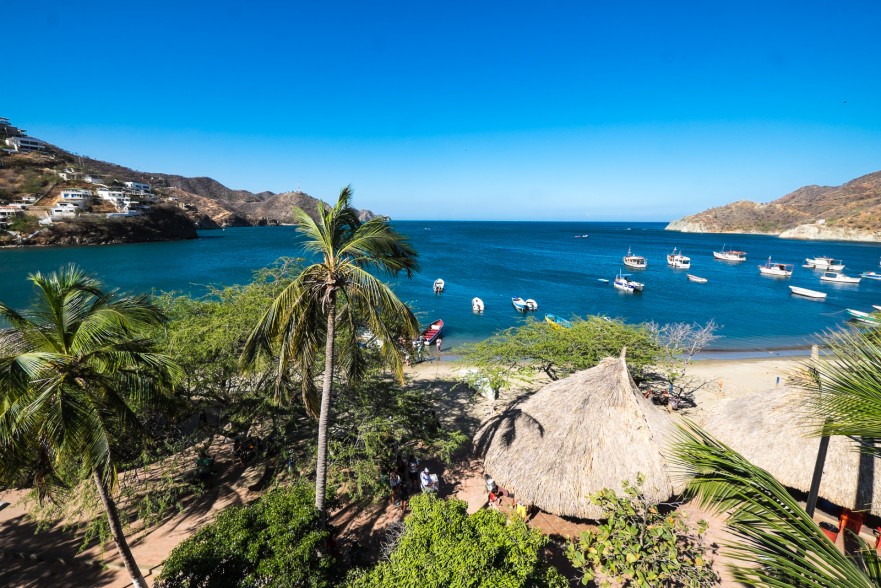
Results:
<point x="538" y="346"/>
<point x="25" y="223"/>
<point x="637" y="545"/>
<point x="443" y="546"/>
<point x="275" y="541"/>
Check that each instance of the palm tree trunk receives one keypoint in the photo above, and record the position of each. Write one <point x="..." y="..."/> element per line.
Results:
<point x="116" y="531"/>
<point x="324" y="416"/>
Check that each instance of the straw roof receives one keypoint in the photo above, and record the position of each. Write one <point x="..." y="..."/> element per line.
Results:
<point x="577" y="436"/>
<point x="769" y="429"/>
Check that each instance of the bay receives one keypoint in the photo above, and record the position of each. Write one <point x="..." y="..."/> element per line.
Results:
<point x="499" y="260"/>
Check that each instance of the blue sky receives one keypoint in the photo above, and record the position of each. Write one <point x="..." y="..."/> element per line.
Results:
<point x="462" y="110"/>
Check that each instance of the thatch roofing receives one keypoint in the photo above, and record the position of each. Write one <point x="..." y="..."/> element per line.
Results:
<point x="770" y="429"/>
<point x="577" y="436"/>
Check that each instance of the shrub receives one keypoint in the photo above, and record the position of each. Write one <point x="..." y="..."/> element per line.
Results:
<point x="276" y="541"/>
<point x="638" y="545"/>
<point x="444" y="546"/>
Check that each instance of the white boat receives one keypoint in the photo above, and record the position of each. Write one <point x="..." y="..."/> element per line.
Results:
<point x="477" y="305"/>
<point x="531" y="304"/>
<point x="877" y="307"/>
<point x="519" y="304"/>
<point x="729" y="255"/>
<point x="698" y="279"/>
<point x="838" y="278"/>
<point x="438" y="286"/>
<point x="626" y="285"/>
<point x="870" y="276"/>
<point x="863" y="317"/>
<point x="677" y="260"/>
<point x="825" y="263"/>
<point x="635" y="261"/>
<point x="807" y="293"/>
<point x="771" y="268"/>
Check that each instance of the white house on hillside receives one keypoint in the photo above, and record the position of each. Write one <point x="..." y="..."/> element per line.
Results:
<point x="93" y="179"/>
<point x="25" y="144"/>
<point x="7" y="213"/>
<point x="75" y="195"/>
<point x="137" y="187"/>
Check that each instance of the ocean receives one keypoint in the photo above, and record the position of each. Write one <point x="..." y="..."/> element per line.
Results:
<point x="499" y="260"/>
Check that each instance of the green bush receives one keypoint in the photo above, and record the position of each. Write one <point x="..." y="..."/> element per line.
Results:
<point x="442" y="546"/>
<point x="638" y="545"/>
<point x="274" y="542"/>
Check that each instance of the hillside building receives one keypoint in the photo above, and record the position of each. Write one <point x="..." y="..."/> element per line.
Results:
<point x="137" y="187"/>
<point x="7" y="214"/>
<point x="25" y="144"/>
<point x="94" y="179"/>
<point x="75" y="195"/>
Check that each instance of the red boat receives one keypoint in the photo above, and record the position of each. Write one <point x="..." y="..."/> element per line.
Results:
<point x="432" y="332"/>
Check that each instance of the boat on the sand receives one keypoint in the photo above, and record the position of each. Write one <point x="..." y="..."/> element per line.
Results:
<point x="432" y="332"/>
<point x="557" y="322"/>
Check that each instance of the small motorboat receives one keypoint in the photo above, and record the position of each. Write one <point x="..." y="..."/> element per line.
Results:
<point x="432" y="332"/>
<point x="623" y="283"/>
<point x="838" y="278"/>
<point x="635" y="261"/>
<point x="864" y="317"/>
<point x="729" y="255"/>
<point x="582" y="236"/>
<point x="477" y="305"/>
<point x="825" y="264"/>
<point x="439" y="286"/>
<point x="677" y="260"/>
<point x="519" y="304"/>
<point x="871" y="275"/>
<point x="531" y="304"/>
<point x="779" y="270"/>
<point x="557" y="322"/>
<point x="698" y="279"/>
<point x="807" y="293"/>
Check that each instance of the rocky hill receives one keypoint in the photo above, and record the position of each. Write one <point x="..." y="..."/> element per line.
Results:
<point x="850" y="212"/>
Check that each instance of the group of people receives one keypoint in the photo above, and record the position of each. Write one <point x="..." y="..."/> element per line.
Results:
<point x="496" y="496"/>
<point x="406" y="478"/>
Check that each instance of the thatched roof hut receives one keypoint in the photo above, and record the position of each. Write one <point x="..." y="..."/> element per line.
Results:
<point x="577" y="436"/>
<point x="770" y="430"/>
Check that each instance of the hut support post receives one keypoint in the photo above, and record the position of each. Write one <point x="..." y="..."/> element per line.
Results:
<point x="811" y="505"/>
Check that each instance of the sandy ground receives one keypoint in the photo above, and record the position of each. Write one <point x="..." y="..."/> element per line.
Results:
<point x="29" y="559"/>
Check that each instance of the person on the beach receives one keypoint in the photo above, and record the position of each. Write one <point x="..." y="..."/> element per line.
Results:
<point x="439" y="343"/>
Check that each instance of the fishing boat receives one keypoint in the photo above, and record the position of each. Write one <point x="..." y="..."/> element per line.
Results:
<point x="531" y="304"/>
<point x="698" y="279"/>
<point x="438" y="286"/>
<point x="477" y="305"/>
<point x="635" y="261"/>
<point x="807" y="293"/>
<point x="838" y="278"/>
<point x="780" y="270"/>
<point x="626" y="285"/>
<point x="677" y="260"/>
<point x="729" y="255"/>
<point x="432" y="332"/>
<point x="519" y="304"/>
<point x="557" y="322"/>
<point x="864" y="317"/>
<point x="825" y="263"/>
<point x="871" y="275"/>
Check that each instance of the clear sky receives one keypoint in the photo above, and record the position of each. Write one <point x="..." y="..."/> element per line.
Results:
<point x="576" y="110"/>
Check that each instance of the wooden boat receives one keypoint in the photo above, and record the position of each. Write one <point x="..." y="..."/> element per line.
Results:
<point x="635" y="261"/>
<point x="729" y="255"/>
<point x="698" y="279"/>
<point x="432" y="332"/>
<point x="531" y="304"/>
<point x="519" y="304"/>
<point x="838" y="278"/>
<point x="557" y="322"/>
<point x="780" y="270"/>
<point x="864" y="317"/>
<point x="870" y="276"/>
<point x="439" y="286"/>
<point x="477" y="305"/>
<point x="825" y="263"/>
<point x="677" y="260"/>
<point x="807" y="293"/>
<point x="626" y="285"/>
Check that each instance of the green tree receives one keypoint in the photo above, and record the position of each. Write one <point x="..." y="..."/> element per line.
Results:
<point x="442" y="546"/>
<point x="276" y="541"/>
<point x="335" y="297"/>
<point x="73" y="371"/>
<point x="536" y="345"/>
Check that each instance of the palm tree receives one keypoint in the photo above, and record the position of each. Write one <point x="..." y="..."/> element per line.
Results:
<point x="332" y="299"/>
<point x="780" y="543"/>
<point x="73" y="369"/>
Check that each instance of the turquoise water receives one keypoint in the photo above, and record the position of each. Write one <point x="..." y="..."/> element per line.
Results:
<point x="498" y="260"/>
